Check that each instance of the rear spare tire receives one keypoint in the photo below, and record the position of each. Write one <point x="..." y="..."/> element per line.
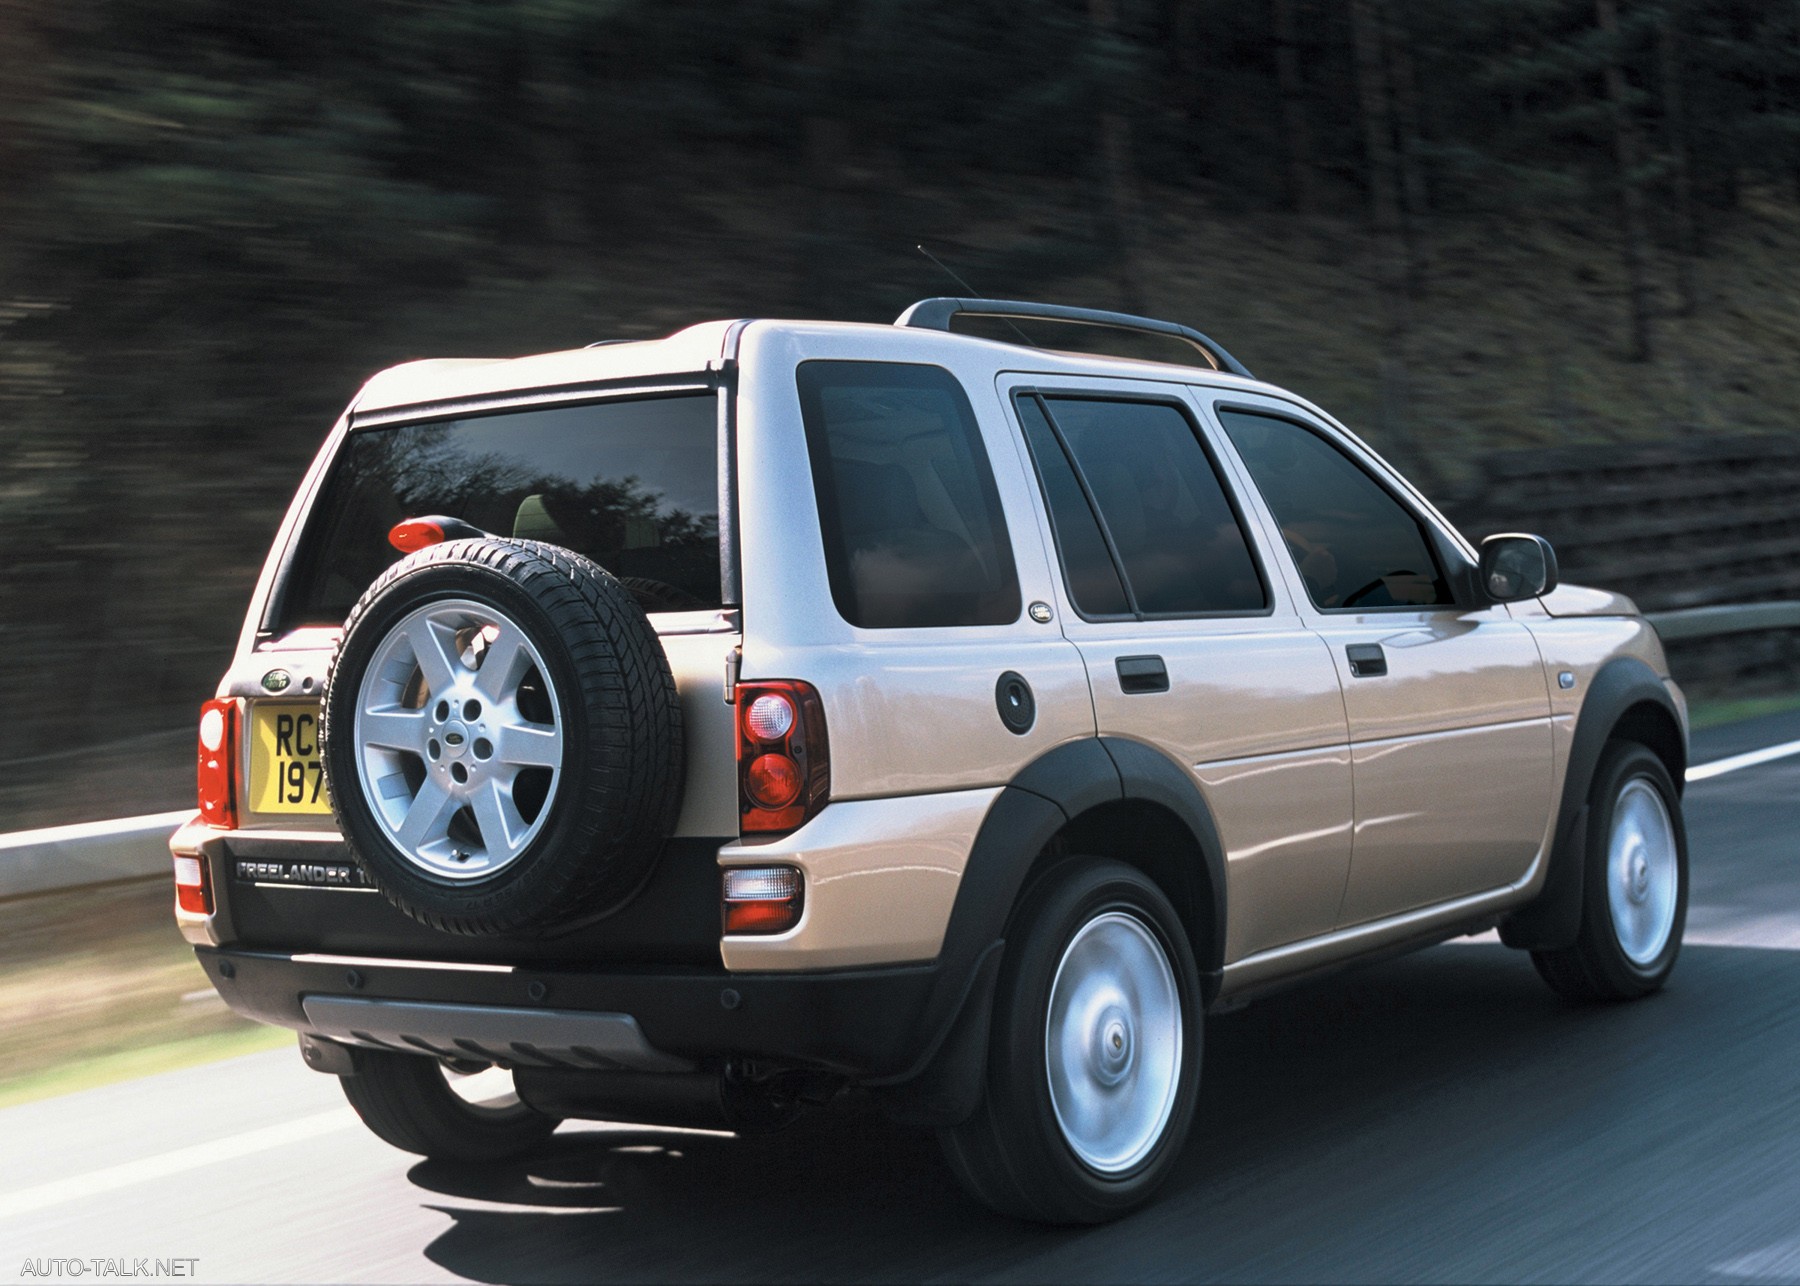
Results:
<point x="501" y="737"/>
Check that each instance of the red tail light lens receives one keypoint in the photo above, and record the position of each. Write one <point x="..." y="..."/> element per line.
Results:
<point x="193" y="891"/>
<point x="218" y="763"/>
<point x="773" y="781"/>
<point x="784" y="761"/>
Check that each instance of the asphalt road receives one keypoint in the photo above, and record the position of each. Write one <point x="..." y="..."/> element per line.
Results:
<point x="1441" y="1117"/>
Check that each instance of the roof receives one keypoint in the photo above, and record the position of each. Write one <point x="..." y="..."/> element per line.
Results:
<point x="696" y="351"/>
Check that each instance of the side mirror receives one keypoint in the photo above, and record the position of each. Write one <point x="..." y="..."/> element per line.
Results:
<point x="1515" y="567"/>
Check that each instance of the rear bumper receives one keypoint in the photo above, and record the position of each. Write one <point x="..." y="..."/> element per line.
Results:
<point x="870" y="1024"/>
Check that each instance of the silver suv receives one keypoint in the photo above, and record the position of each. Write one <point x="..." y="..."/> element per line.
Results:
<point x="693" y="731"/>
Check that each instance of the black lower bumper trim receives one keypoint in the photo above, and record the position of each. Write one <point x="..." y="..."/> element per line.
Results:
<point x="866" y="1023"/>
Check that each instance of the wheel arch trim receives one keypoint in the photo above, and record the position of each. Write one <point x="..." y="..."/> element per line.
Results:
<point x="1624" y="697"/>
<point x="1042" y="800"/>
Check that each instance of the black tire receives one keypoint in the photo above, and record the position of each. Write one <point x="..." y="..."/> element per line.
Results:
<point x="1013" y="1154"/>
<point x="1598" y="967"/>
<point x="615" y="797"/>
<point x="405" y="1100"/>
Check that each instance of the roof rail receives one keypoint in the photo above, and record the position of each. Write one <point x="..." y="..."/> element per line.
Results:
<point x="936" y="314"/>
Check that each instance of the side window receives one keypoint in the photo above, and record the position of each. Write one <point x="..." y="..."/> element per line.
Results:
<point x="1355" y="545"/>
<point x="1159" y="510"/>
<point x="914" y="535"/>
<point x="1092" y="577"/>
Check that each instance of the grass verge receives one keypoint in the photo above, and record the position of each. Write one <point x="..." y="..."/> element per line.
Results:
<point x="129" y="1064"/>
<point x="1713" y="712"/>
<point x="97" y="985"/>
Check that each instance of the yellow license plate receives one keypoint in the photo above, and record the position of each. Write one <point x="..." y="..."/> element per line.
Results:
<point x="286" y="774"/>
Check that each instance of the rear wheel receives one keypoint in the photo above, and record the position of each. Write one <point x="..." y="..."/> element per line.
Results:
<point x="420" y="1105"/>
<point x="1094" y="1057"/>
<point x="1635" y="883"/>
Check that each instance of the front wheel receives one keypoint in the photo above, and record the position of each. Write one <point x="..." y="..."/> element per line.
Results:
<point x="419" y="1105"/>
<point x="1094" y="1058"/>
<point x="1634" y="889"/>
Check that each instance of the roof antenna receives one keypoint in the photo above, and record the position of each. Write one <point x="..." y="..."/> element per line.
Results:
<point x="974" y="293"/>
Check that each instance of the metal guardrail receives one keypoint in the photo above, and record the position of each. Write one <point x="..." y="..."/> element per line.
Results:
<point x="63" y="857"/>
<point x="66" y="857"/>
<point x="1733" y="618"/>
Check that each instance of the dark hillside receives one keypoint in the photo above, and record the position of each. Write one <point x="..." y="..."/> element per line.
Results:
<point x="1460" y="225"/>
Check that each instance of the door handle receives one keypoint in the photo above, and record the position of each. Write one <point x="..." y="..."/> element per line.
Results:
<point x="1367" y="660"/>
<point x="1142" y="674"/>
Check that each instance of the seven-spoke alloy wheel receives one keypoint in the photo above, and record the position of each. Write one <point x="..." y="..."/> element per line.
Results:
<point x="459" y="738"/>
<point x="502" y="737"/>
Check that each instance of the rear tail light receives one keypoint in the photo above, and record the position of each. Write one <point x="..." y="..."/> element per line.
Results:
<point x="763" y="899"/>
<point x="218" y="763"/>
<point x="193" y="892"/>
<point x="784" y="761"/>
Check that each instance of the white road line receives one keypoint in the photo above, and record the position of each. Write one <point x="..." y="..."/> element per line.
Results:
<point x="97" y="1182"/>
<point x="1749" y="759"/>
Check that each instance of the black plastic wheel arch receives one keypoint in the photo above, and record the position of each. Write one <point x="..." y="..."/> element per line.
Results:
<point x="1044" y="797"/>
<point x="1622" y="687"/>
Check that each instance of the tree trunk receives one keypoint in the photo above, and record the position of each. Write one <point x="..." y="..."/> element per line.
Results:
<point x="1295" y="132"/>
<point x="1681" y="163"/>
<point x="25" y="72"/>
<point x="1392" y="269"/>
<point x="551" y="137"/>
<point x="1409" y="119"/>
<point x="1121" y="179"/>
<point x="1635" y="245"/>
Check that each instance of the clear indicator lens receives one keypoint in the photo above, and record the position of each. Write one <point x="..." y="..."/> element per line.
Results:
<point x="769" y="717"/>
<point x="212" y="729"/>
<point x="187" y="872"/>
<point x="762" y="884"/>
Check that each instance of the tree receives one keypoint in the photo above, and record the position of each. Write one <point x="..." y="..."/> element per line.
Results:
<point x="1634" y="231"/>
<point x="1296" y="133"/>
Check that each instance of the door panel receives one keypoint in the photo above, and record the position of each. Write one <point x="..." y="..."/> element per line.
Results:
<point x="1251" y="707"/>
<point x="1452" y="757"/>
<point x="1447" y="706"/>
<point x="1420" y="799"/>
<point x="1256" y="717"/>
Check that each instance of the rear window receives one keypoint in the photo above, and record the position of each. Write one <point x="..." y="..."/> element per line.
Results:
<point x="914" y="535"/>
<point x="633" y="485"/>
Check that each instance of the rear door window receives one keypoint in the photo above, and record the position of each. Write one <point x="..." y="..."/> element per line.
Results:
<point x="1158" y="506"/>
<point x="1089" y="568"/>
<point x="1355" y="545"/>
<point x="632" y="484"/>
<point x="914" y="534"/>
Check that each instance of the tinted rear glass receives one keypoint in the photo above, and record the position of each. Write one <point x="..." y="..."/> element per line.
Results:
<point x="631" y="484"/>
<point x="913" y="531"/>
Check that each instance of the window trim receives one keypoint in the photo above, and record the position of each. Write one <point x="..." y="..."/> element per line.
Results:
<point x="1041" y="393"/>
<point x="1453" y="571"/>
